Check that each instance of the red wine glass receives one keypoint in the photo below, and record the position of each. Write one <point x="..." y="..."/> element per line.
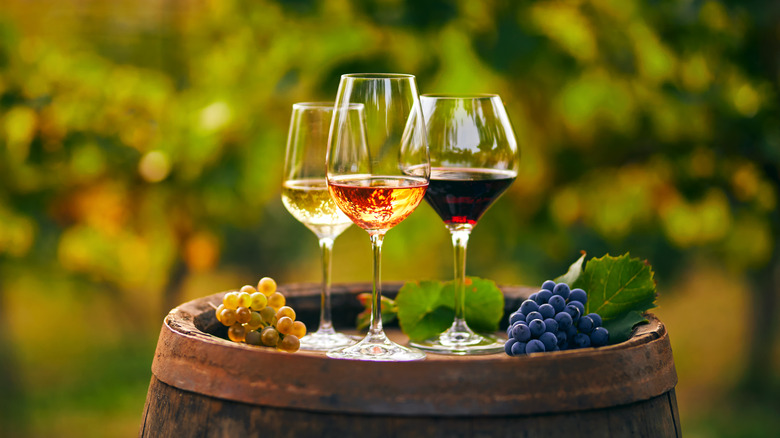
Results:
<point x="474" y="159"/>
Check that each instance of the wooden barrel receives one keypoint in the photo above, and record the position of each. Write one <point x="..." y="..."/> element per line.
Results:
<point x="205" y="385"/>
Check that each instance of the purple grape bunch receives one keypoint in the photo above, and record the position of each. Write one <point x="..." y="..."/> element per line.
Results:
<point x="554" y="319"/>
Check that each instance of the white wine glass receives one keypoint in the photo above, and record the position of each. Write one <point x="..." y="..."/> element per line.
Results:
<point x="474" y="159"/>
<point x="378" y="170"/>
<point x="305" y="195"/>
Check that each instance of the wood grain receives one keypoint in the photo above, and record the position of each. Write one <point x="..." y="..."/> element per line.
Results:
<point x="171" y="412"/>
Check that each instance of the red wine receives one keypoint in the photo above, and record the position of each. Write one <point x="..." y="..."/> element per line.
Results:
<point x="462" y="195"/>
<point x="377" y="202"/>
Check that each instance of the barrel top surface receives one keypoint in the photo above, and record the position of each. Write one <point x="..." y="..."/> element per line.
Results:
<point x="190" y="358"/>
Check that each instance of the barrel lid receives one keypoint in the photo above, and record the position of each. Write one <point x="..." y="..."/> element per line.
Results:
<point x="190" y="358"/>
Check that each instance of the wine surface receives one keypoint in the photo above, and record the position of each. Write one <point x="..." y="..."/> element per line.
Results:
<point x="462" y="195"/>
<point x="309" y="201"/>
<point x="377" y="202"/>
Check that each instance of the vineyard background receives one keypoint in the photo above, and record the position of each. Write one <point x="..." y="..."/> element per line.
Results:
<point x="141" y="146"/>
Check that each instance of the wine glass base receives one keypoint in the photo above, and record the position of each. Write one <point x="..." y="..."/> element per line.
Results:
<point x="461" y="344"/>
<point x="377" y="348"/>
<point x="324" y="341"/>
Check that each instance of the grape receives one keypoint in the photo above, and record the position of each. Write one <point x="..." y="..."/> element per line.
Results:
<point x="529" y="306"/>
<point x="276" y="300"/>
<point x="578" y="305"/>
<point x="298" y="329"/>
<point x="578" y="295"/>
<point x="562" y="289"/>
<point x="259" y="316"/>
<point x="285" y="311"/>
<point x="248" y="289"/>
<point x="547" y="311"/>
<point x="599" y="337"/>
<point x="244" y="299"/>
<point x="290" y="344"/>
<point x="284" y="325"/>
<point x="557" y="302"/>
<point x="243" y="315"/>
<point x="534" y="346"/>
<point x="253" y="337"/>
<point x="554" y="319"/>
<point x="521" y="332"/>
<point x="237" y="332"/>
<point x="532" y="316"/>
<point x="230" y="300"/>
<point x="563" y="338"/>
<point x="269" y="336"/>
<point x="515" y="317"/>
<point x="258" y="301"/>
<point x="581" y="340"/>
<point x="537" y="327"/>
<point x="596" y="319"/>
<point x="549" y="340"/>
<point x="228" y="317"/>
<point x="269" y="315"/>
<point x="218" y="311"/>
<point x="543" y="296"/>
<point x="255" y="322"/>
<point x="564" y="320"/>
<point x="508" y="345"/>
<point x="573" y="311"/>
<point x="585" y="325"/>
<point x="267" y="286"/>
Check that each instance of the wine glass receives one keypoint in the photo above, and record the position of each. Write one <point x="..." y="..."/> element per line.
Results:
<point x="474" y="159"/>
<point x="378" y="171"/>
<point x="305" y="195"/>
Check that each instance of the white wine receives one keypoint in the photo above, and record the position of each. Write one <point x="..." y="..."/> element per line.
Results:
<point x="309" y="201"/>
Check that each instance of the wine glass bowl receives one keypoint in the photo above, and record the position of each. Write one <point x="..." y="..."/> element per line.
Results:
<point x="378" y="171"/>
<point x="474" y="159"/>
<point x="305" y="195"/>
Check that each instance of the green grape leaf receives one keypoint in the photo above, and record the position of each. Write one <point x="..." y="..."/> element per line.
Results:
<point x="426" y="309"/>
<point x="620" y="328"/>
<point x="421" y="309"/>
<point x="574" y="271"/>
<point x="616" y="287"/>
<point x="484" y="303"/>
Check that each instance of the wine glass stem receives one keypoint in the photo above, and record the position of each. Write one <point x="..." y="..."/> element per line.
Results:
<point x="460" y="241"/>
<point x="376" y="294"/>
<point x="326" y="324"/>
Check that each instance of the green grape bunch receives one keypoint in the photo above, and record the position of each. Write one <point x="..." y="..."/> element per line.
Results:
<point x="258" y="316"/>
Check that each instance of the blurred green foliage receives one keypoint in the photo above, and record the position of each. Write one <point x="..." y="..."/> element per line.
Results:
<point x="141" y="145"/>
